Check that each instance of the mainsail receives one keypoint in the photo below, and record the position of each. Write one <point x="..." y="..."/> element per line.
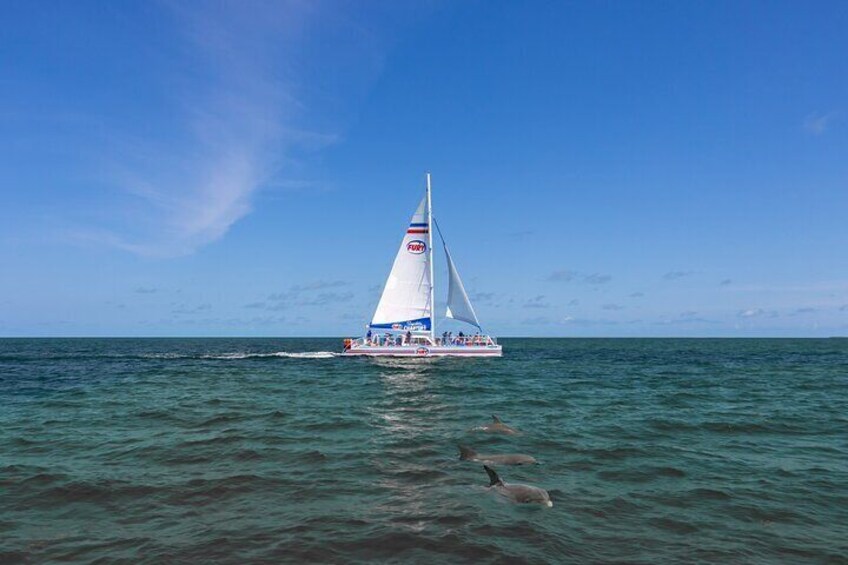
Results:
<point x="406" y="300"/>
<point x="459" y="307"/>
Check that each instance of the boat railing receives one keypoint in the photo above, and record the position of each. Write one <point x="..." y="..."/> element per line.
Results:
<point x="470" y="341"/>
<point x="465" y="341"/>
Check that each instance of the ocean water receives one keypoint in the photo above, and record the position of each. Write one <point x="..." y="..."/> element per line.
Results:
<point x="239" y="450"/>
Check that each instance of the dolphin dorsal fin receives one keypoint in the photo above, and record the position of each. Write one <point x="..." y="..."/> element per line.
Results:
<point x="494" y="479"/>
<point x="496" y="420"/>
<point x="466" y="453"/>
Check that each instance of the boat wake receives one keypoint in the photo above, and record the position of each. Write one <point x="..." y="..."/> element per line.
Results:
<point x="175" y="356"/>
<point x="287" y="354"/>
<point x="245" y="355"/>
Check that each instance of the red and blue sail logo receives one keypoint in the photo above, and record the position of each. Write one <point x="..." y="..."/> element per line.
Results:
<point x="418" y="227"/>
<point x="416" y="247"/>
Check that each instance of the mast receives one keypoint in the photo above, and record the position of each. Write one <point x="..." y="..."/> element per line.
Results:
<point x="432" y="278"/>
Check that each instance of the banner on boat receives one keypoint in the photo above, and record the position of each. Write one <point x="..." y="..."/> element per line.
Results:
<point x="419" y="325"/>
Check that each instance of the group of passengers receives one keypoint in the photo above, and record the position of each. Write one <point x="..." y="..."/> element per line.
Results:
<point x="389" y="340"/>
<point x="462" y="339"/>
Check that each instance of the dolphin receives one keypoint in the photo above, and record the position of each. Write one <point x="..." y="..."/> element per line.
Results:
<point x="468" y="454"/>
<point x="518" y="493"/>
<point x="497" y="427"/>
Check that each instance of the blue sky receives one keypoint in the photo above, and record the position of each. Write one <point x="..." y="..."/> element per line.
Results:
<point x="599" y="169"/>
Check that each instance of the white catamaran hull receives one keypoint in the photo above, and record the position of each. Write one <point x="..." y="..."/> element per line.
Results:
<point x="426" y="351"/>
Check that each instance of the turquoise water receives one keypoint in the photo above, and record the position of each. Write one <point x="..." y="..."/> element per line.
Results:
<point x="231" y="450"/>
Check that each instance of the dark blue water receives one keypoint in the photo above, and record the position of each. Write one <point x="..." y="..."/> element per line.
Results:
<point x="226" y="450"/>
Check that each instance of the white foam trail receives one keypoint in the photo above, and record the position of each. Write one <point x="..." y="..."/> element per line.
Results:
<point x="288" y="354"/>
<point x="308" y="354"/>
<point x="242" y="355"/>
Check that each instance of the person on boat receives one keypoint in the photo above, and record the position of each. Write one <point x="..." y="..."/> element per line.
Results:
<point x="368" y="337"/>
<point x="408" y="337"/>
<point x="461" y="339"/>
<point x="445" y="338"/>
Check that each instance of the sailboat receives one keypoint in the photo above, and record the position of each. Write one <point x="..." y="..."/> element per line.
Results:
<point x="403" y="324"/>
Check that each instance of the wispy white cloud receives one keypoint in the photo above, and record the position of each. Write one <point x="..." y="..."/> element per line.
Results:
<point x="684" y="318"/>
<point x="536" y="302"/>
<point x="326" y="298"/>
<point x="305" y="295"/>
<point x="674" y="275"/>
<point x="751" y="313"/>
<point x="597" y="278"/>
<point x="146" y="290"/>
<point x="567" y="275"/>
<point x="317" y="285"/>
<point x="183" y="309"/>
<point x="818" y="123"/>
<point x="564" y="275"/>
<point x="240" y="115"/>
<point x="483" y="297"/>
<point x="757" y="313"/>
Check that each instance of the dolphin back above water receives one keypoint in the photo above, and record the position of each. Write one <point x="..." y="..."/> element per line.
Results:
<point x="497" y="427"/>
<point x="468" y="454"/>
<point x="516" y="492"/>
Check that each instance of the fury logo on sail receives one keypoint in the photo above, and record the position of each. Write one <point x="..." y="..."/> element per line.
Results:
<point x="416" y="247"/>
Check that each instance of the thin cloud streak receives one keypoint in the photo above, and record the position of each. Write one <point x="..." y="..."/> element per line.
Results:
<point x="146" y="290"/>
<point x="675" y="275"/>
<point x="239" y="113"/>
<point x="536" y="302"/>
<point x="568" y="275"/>
<point x="817" y="123"/>
<point x="757" y="313"/>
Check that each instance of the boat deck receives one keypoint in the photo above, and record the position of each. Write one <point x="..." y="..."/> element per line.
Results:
<point x="417" y="350"/>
